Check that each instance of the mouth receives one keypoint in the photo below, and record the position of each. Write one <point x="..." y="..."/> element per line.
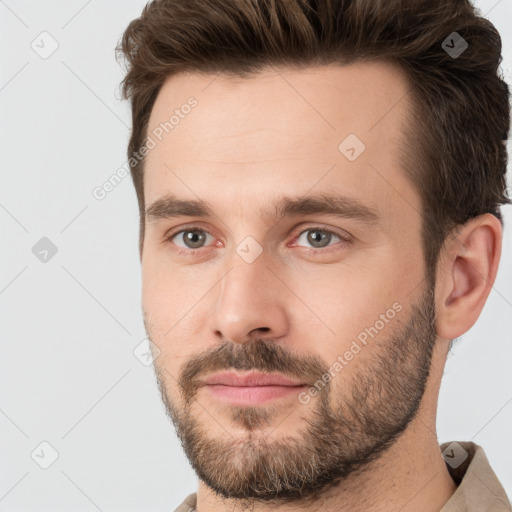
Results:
<point x="252" y="388"/>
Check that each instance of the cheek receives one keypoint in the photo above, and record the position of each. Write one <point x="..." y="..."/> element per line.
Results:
<point x="341" y="294"/>
<point x="164" y="295"/>
<point x="171" y="304"/>
<point x="341" y="305"/>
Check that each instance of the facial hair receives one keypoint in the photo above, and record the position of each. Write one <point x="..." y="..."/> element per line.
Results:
<point x="344" y="433"/>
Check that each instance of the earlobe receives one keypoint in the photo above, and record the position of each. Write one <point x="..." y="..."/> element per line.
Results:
<point x="466" y="274"/>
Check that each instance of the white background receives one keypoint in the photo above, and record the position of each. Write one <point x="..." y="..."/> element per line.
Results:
<point x="69" y="326"/>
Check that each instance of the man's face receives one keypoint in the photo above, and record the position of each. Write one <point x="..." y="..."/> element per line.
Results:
<point x="335" y="300"/>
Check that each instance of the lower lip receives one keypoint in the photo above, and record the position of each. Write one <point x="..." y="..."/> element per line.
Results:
<point x="250" y="395"/>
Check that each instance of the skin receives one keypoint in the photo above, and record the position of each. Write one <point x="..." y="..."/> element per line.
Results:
<point x="247" y="143"/>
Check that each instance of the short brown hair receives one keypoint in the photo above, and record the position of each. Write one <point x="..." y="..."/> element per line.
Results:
<point x="456" y="155"/>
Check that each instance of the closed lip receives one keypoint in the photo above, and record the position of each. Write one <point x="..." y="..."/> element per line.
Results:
<point x="251" y="379"/>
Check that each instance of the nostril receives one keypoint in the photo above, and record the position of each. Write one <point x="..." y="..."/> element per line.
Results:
<point x="263" y="329"/>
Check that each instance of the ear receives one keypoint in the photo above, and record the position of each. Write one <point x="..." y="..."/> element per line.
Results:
<point x="466" y="271"/>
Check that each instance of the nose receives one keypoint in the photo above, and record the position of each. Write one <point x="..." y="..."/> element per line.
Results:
<point x="249" y="302"/>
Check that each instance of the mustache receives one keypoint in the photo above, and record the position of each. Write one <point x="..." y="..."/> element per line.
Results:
<point x="263" y="355"/>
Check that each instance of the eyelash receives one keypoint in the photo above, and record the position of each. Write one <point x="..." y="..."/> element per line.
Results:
<point x="191" y="252"/>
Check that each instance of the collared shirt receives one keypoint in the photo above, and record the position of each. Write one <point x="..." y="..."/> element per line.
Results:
<point x="478" y="488"/>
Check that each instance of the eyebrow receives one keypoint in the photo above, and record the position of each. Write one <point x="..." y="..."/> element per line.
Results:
<point x="169" y="206"/>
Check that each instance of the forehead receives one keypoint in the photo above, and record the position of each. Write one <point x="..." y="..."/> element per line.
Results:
<point x="282" y="130"/>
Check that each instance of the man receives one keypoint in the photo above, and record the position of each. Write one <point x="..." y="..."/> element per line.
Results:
<point x="319" y="186"/>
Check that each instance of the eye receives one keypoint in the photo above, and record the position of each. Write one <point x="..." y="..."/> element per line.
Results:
<point x="319" y="238"/>
<point x="196" y="238"/>
<point x="190" y="238"/>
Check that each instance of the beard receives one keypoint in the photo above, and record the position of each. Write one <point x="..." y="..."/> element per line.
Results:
<point x="342" y="435"/>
